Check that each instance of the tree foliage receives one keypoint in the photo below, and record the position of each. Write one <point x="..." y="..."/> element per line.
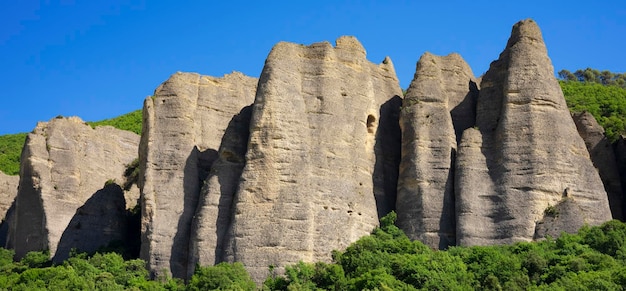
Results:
<point x="592" y="259"/>
<point x="590" y="75"/>
<point x="607" y="104"/>
<point x="10" y="151"/>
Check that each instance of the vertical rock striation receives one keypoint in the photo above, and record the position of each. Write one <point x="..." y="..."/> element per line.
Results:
<point x="183" y="127"/>
<point x="603" y="158"/>
<point x="8" y="191"/>
<point x="214" y="212"/>
<point x="526" y="154"/>
<point x="315" y="171"/>
<point x="439" y="103"/>
<point x="64" y="163"/>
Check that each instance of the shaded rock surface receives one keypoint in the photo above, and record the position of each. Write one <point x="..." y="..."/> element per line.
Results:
<point x="214" y="212"/>
<point x="8" y="191"/>
<point x="101" y="219"/>
<point x="439" y="104"/>
<point x="183" y="125"/>
<point x="603" y="158"/>
<point x="526" y="154"/>
<point x="315" y="174"/>
<point x="65" y="163"/>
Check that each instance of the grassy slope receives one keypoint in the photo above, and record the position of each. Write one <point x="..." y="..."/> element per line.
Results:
<point x="11" y="144"/>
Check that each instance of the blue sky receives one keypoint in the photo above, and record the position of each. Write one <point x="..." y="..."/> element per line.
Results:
<point x="100" y="59"/>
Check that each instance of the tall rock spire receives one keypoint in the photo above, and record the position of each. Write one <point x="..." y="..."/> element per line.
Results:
<point x="182" y="130"/>
<point x="315" y="174"/>
<point x="525" y="155"/>
<point x="439" y="102"/>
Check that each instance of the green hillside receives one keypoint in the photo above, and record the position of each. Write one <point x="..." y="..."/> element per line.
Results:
<point x="593" y="259"/>
<point x="10" y="150"/>
<point x="11" y="144"/>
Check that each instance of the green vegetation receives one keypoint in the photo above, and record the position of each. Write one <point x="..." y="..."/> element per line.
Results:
<point x="593" y="259"/>
<point x="10" y="151"/>
<point x="590" y="75"/>
<point x="11" y="144"/>
<point x="130" y="121"/>
<point x="607" y="104"/>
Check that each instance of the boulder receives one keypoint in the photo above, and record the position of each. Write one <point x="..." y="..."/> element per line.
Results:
<point x="439" y="104"/>
<point x="319" y="159"/>
<point x="603" y="158"/>
<point x="183" y="126"/>
<point x="525" y="155"/>
<point x="64" y="164"/>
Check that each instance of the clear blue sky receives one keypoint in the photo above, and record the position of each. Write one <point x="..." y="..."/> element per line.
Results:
<point x="100" y="59"/>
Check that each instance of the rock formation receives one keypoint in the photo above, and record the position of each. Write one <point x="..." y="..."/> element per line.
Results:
<point x="603" y="158"/>
<point x="183" y="125"/>
<point x="64" y="164"/>
<point x="439" y="104"/>
<point x="8" y="191"/>
<point x="315" y="172"/>
<point x="525" y="155"/>
<point x="213" y="215"/>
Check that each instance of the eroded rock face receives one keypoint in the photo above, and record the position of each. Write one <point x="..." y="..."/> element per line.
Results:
<point x="213" y="215"/>
<point x="603" y="158"/>
<point x="8" y="191"/>
<point x="526" y="154"/>
<point x="440" y="103"/>
<point x="64" y="164"/>
<point x="182" y="131"/>
<point x="315" y="173"/>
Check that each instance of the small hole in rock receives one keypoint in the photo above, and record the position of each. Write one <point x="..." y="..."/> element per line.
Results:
<point x="370" y="123"/>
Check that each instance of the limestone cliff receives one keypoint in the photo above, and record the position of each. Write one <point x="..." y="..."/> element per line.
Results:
<point x="315" y="173"/>
<point x="183" y="126"/>
<point x="64" y="164"/>
<point x="439" y="103"/>
<point x="603" y="158"/>
<point x="525" y="155"/>
<point x="8" y="191"/>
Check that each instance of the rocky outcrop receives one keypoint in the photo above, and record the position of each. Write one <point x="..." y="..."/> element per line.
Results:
<point x="314" y="178"/>
<point x="102" y="218"/>
<point x="213" y="215"/>
<point x="8" y="191"/>
<point x="525" y="155"/>
<point x="439" y="104"/>
<point x="64" y="164"/>
<point x="603" y="158"/>
<point x="183" y="126"/>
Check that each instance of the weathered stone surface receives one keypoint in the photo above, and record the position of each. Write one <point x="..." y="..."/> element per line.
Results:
<point x="214" y="212"/>
<point x="314" y="172"/>
<point x="182" y="130"/>
<point x="8" y="191"/>
<point x="101" y="219"/>
<point x="440" y="103"/>
<point x="64" y="162"/>
<point x="603" y="158"/>
<point x="532" y="155"/>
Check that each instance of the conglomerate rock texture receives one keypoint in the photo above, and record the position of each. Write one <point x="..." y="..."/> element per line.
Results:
<point x="65" y="163"/>
<point x="314" y="178"/>
<point x="439" y="103"/>
<point x="525" y="154"/>
<point x="183" y="126"/>
<point x="603" y="158"/>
